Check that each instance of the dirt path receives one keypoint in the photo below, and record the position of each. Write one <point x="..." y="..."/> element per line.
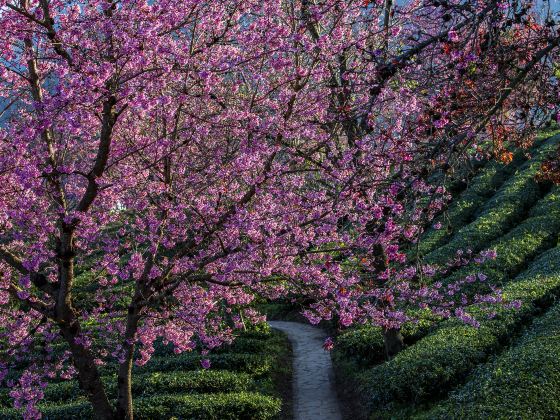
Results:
<point x="314" y="391"/>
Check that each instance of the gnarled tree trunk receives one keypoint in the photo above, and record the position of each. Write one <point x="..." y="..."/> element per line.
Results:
<point x="88" y="374"/>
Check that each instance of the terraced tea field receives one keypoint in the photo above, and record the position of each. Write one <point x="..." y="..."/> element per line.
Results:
<point x="509" y="366"/>
<point x="247" y="380"/>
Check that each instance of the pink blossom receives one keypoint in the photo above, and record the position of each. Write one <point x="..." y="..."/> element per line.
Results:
<point x="453" y="36"/>
<point x="328" y="345"/>
<point x="441" y="123"/>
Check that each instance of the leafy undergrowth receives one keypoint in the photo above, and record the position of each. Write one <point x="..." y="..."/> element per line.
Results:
<point x="247" y="380"/>
<point x="505" y="210"/>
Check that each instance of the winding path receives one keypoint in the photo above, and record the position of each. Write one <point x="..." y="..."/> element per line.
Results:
<point x="314" y="392"/>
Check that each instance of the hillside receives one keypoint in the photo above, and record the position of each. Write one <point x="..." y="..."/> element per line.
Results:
<point x="508" y="367"/>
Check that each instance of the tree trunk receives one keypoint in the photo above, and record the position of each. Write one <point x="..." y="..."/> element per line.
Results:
<point x="88" y="375"/>
<point x="69" y="324"/>
<point x="125" y="409"/>
<point x="393" y="341"/>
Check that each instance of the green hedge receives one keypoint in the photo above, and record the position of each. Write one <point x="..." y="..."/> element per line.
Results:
<point x="360" y="346"/>
<point x="210" y="407"/>
<point x="231" y="406"/>
<point x="501" y="212"/>
<point x="246" y="354"/>
<point x="259" y="339"/>
<point x="363" y="346"/>
<point x="523" y="382"/>
<point x="550" y="204"/>
<point x="254" y="364"/>
<point x="175" y="385"/>
<point x="239" y="345"/>
<point x="424" y="371"/>
<point x="483" y="185"/>
<point x="461" y="210"/>
<point x="202" y="381"/>
<point x="164" y="355"/>
<point x="521" y="244"/>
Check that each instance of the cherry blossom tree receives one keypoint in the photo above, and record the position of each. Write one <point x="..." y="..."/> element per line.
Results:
<point x="162" y="163"/>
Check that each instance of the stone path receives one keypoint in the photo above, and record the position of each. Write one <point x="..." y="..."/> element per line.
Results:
<point x="314" y="392"/>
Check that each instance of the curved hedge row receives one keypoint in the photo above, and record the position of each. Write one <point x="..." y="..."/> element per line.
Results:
<point x="254" y="364"/>
<point x="523" y="382"/>
<point x="246" y="381"/>
<point x="235" y="406"/>
<point x="239" y="345"/>
<point x="461" y="211"/>
<point x="522" y="243"/>
<point x="500" y="212"/>
<point x="260" y="340"/>
<point x="193" y="382"/>
<point x="443" y="358"/>
<point x="363" y="347"/>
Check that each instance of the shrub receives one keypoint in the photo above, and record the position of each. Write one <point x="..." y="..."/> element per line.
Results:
<point x="461" y="210"/>
<point x="240" y="345"/>
<point x="441" y="359"/>
<point x="362" y="347"/>
<point x="523" y="382"/>
<point x="551" y="204"/>
<point x="522" y="243"/>
<point x="177" y="375"/>
<point x="201" y="381"/>
<point x="251" y="357"/>
<point x="242" y="405"/>
<point x="254" y="364"/>
<point x="78" y="410"/>
<point x="500" y="212"/>
<point x="245" y="344"/>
